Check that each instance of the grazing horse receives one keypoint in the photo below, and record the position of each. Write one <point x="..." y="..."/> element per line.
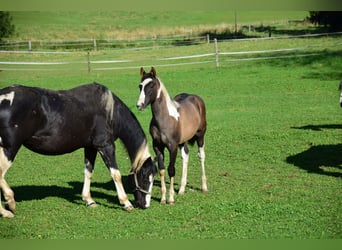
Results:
<point x="57" y="122"/>
<point x="340" y="88"/>
<point x="174" y="123"/>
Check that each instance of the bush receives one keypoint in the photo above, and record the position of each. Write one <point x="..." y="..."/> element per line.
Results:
<point x="6" y="26"/>
<point x="331" y="19"/>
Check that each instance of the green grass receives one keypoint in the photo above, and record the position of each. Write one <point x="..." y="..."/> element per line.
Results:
<point x="113" y="25"/>
<point x="273" y="151"/>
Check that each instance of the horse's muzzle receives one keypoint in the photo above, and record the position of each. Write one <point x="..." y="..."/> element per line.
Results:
<point x="140" y="106"/>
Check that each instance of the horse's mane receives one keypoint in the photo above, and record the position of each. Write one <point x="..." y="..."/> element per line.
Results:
<point x="172" y="105"/>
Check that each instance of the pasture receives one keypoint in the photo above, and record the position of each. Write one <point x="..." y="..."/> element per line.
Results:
<point x="273" y="149"/>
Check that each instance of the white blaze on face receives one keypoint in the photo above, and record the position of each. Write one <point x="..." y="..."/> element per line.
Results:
<point x="142" y="96"/>
<point x="9" y="97"/>
<point x="148" y="196"/>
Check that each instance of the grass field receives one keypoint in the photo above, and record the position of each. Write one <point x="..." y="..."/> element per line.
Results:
<point x="273" y="150"/>
<point x="125" y="25"/>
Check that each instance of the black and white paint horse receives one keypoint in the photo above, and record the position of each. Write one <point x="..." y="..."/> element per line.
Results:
<point x="340" y="88"/>
<point x="175" y="122"/>
<point x="58" y="122"/>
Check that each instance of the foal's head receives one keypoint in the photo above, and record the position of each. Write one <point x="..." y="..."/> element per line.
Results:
<point x="149" y="87"/>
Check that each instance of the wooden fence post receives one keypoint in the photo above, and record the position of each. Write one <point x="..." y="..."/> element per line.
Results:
<point x="208" y="38"/>
<point x="95" y="45"/>
<point x="89" y="69"/>
<point x="216" y="53"/>
<point x="29" y="45"/>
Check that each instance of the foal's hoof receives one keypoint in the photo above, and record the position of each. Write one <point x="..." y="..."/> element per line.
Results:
<point x="171" y="203"/>
<point x="129" y="208"/>
<point x="163" y="202"/>
<point x="91" y="204"/>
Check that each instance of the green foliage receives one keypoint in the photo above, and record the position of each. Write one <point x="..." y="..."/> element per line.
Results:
<point x="330" y="19"/>
<point x="6" y="26"/>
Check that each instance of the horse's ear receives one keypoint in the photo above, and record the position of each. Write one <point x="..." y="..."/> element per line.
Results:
<point x="142" y="71"/>
<point x="153" y="72"/>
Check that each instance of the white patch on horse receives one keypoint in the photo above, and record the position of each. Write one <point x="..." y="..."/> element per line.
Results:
<point x="9" y="97"/>
<point x="148" y="196"/>
<point x="171" y="105"/>
<point x="142" y="96"/>
<point x="108" y="102"/>
<point x="4" y="163"/>
<point x="142" y="155"/>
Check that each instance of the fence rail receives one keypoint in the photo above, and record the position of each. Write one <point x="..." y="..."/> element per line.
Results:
<point x="90" y="62"/>
<point x="96" y="44"/>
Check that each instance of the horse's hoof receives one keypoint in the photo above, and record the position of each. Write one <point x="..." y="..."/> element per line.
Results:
<point x="181" y="192"/>
<point x="7" y="214"/>
<point x="10" y="205"/>
<point x="91" y="204"/>
<point x="205" y="191"/>
<point x="171" y="203"/>
<point x="129" y="208"/>
<point x="163" y="202"/>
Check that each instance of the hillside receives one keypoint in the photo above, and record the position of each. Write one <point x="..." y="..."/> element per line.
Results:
<point x="137" y="25"/>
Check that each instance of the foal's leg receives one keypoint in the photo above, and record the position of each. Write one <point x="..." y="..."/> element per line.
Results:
<point x="185" y="157"/>
<point x="201" y="155"/>
<point x="108" y="156"/>
<point x="5" y="164"/>
<point x="159" y="150"/>
<point x="172" y="172"/>
<point x="89" y="161"/>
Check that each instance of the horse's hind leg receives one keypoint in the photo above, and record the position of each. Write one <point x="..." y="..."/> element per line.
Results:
<point x="5" y="164"/>
<point x="89" y="161"/>
<point x="201" y="155"/>
<point x="185" y="158"/>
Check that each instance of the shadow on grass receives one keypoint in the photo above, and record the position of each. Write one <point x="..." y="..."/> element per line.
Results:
<point x="319" y="127"/>
<point x="321" y="159"/>
<point x="72" y="193"/>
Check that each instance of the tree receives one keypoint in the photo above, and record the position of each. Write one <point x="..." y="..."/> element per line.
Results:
<point x="331" y="19"/>
<point x="6" y="26"/>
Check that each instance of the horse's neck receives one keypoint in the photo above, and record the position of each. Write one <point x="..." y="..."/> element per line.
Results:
<point x="164" y="108"/>
<point x="133" y="137"/>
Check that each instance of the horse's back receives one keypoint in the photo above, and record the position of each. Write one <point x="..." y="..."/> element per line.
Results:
<point x="192" y="115"/>
<point x="189" y="100"/>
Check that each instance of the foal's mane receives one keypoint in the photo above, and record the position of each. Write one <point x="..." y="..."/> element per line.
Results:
<point x="172" y="105"/>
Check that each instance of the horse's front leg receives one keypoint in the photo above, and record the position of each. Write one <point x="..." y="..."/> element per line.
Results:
<point x="108" y="156"/>
<point x="5" y="164"/>
<point x="89" y="161"/>
<point x="172" y="172"/>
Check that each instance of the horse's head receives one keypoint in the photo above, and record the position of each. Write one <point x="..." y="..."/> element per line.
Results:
<point x="141" y="182"/>
<point x="340" y="88"/>
<point x="149" y="87"/>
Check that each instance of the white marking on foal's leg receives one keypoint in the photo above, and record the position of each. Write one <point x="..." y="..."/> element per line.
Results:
<point x="163" y="186"/>
<point x="172" y="191"/>
<point x="5" y="164"/>
<point x="201" y="155"/>
<point x="185" y="158"/>
<point x="116" y="175"/>
<point x="86" y="196"/>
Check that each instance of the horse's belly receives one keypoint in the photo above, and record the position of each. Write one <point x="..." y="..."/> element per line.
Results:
<point x="51" y="145"/>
